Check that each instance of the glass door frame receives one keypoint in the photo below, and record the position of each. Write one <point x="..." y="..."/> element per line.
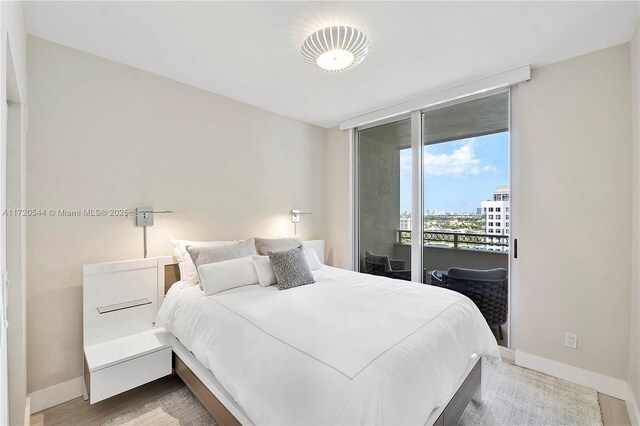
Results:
<point x="417" y="200"/>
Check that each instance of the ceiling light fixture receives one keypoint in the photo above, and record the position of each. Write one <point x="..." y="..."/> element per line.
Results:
<point x="336" y="48"/>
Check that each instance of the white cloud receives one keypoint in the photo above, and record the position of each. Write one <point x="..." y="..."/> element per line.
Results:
<point x="462" y="161"/>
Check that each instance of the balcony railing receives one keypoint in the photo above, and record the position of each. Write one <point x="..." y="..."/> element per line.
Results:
<point x="458" y="240"/>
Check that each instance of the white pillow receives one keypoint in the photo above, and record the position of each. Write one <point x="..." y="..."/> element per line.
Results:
<point x="312" y="259"/>
<point x="188" y="271"/>
<point x="266" y="277"/>
<point x="221" y="276"/>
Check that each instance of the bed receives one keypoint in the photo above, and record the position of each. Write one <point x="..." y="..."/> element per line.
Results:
<point x="349" y="349"/>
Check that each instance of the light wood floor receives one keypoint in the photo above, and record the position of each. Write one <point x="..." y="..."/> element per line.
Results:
<point x="79" y="412"/>
<point x="614" y="411"/>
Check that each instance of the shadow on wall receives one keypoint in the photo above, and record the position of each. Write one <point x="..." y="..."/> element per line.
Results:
<point x="61" y="327"/>
<point x="330" y="257"/>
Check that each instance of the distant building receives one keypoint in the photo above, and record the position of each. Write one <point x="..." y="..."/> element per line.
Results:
<point x="405" y="221"/>
<point x="497" y="216"/>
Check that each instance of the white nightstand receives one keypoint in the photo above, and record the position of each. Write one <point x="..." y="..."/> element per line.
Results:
<point x="122" y="347"/>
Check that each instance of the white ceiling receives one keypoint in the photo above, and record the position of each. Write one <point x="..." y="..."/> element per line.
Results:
<point x="250" y="51"/>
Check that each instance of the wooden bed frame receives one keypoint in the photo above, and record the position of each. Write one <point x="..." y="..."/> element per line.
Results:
<point x="470" y="387"/>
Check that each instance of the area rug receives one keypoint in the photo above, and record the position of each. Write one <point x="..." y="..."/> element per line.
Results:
<point x="511" y="396"/>
<point x="514" y="395"/>
<point x="180" y="407"/>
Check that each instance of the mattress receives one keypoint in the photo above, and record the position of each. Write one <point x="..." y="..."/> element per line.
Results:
<point x="349" y="349"/>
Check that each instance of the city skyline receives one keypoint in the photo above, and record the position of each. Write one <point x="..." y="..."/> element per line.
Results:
<point x="458" y="175"/>
<point x="491" y="220"/>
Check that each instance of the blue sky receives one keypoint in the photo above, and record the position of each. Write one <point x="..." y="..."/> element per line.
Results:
<point x="458" y="174"/>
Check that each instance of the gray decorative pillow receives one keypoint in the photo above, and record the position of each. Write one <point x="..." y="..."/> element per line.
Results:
<point x="265" y="245"/>
<point x="204" y="255"/>
<point x="290" y="268"/>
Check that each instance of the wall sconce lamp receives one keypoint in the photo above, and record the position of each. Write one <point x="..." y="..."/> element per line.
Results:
<point x="295" y="219"/>
<point x="144" y="218"/>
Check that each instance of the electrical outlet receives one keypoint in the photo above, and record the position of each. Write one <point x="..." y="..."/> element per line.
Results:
<point x="571" y="340"/>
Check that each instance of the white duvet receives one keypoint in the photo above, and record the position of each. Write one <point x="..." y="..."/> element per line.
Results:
<point x="349" y="349"/>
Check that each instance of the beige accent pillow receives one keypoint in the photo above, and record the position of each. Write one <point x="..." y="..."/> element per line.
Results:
<point x="265" y="245"/>
<point x="204" y="255"/>
<point x="188" y="271"/>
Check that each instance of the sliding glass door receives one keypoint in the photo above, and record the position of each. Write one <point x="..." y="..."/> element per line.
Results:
<point x="433" y="194"/>
<point x="466" y="208"/>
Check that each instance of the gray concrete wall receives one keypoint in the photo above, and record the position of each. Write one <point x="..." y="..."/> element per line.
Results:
<point x="379" y="194"/>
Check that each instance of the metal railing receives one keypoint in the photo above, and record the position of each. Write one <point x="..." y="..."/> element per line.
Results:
<point x="458" y="240"/>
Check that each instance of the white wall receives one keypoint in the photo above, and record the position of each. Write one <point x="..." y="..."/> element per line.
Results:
<point x="105" y="135"/>
<point x="13" y="89"/>
<point x="573" y="129"/>
<point x="338" y="244"/>
<point x="634" y="337"/>
<point x="14" y="30"/>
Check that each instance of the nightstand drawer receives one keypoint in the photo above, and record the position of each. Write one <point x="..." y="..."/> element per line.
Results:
<point x="129" y="374"/>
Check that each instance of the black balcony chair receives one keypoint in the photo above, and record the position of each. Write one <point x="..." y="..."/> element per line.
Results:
<point x="487" y="288"/>
<point x="382" y="265"/>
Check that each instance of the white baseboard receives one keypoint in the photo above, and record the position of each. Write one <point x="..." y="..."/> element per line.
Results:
<point x="612" y="386"/>
<point x="507" y="353"/>
<point x="27" y="411"/>
<point x="632" y="408"/>
<point x="56" y="394"/>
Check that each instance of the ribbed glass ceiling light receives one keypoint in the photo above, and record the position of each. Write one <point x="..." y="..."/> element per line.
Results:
<point x="336" y="48"/>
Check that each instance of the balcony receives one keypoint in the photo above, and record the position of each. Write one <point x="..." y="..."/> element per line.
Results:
<point x="443" y="250"/>
<point x="458" y="240"/>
